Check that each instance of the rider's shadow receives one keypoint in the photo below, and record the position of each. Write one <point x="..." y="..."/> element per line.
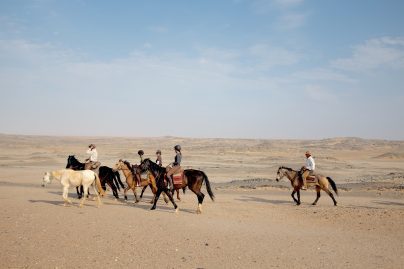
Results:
<point x="262" y="200"/>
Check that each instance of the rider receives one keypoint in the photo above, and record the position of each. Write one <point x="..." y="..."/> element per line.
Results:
<point x="92" y="161"/>
<point x="137" y="174"/>
<point x="308" y="169"/>
<point x="159" y="161"/>
<point x="176" y="165"/>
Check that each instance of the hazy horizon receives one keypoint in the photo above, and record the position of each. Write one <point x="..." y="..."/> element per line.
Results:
<point x="259" y="69"/>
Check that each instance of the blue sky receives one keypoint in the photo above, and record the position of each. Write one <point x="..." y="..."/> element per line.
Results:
<point x="237" y="68"/>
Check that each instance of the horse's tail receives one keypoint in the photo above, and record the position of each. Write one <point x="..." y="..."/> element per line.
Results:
<point x="98" y="183"/>
<point x="333" y="185"/>
<point x="208" y="188"/>
<point x="117" y="178"/>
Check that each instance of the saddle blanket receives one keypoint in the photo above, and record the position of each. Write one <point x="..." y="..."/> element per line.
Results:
<point x="177" y="178"/>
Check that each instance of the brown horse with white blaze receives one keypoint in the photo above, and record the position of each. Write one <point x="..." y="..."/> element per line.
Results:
<point x="319" y="181"/>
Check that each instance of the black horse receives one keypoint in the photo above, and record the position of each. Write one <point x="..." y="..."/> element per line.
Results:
<point x="193" y="179"/>
<point x="106" y="174"/>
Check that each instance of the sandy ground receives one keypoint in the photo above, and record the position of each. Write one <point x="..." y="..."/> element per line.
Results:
<point x="252" y="223"/>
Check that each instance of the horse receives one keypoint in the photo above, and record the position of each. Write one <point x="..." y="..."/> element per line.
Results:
<point x="106" y="174"/>
<point x="192" y="179"/>
<point x="320" y="182"/>
<point x="70" y="177"/>
<point x="127" y="170"/>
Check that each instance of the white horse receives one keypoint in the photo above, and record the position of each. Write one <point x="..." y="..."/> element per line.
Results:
<point x="73" y="178"/>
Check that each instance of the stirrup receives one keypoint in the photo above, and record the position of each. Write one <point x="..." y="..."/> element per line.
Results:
<point x="304" y="188"/>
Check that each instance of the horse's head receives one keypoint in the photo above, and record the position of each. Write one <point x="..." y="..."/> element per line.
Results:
<point x="46" y="179"/>
<point x="280" y="174"/>
<point x="145" y="165"/>
<point x="118" y="165"/>
<point x="71" y="161"/>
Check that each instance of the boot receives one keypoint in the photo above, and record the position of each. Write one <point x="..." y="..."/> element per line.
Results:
<point x="170" y="183"/>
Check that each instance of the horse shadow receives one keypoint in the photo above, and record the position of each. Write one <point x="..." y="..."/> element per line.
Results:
<point x="57" y="203"/>
<point x="262" y="200"/>
<point x="388" y="203"/>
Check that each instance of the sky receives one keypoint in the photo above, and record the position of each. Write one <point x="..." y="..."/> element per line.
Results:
<point x="270" y="69"/>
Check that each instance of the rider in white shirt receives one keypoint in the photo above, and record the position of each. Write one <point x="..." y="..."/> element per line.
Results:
<point x="92" y="161"/>
<point x="308" y="169"/>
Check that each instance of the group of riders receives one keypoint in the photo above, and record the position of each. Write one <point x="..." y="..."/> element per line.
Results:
<point x="92" y="163"/>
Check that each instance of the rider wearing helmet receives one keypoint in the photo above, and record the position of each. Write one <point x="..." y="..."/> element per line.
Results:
<point x="137" y="172"/>
<point x="176" y="165"/>
<point x="159" y="161"/>
<point x="92" y="161"/>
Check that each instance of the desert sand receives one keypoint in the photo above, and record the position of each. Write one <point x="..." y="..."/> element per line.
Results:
<point x="253" y="222"/>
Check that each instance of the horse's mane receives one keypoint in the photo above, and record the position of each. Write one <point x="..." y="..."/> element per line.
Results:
<point x="127" y="163"/>
<point x="73" y="158"/>
<point x="287" y="168"/>
<point x="154" y="165"/>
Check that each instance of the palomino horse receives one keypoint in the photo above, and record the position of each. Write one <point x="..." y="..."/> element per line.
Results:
<point x="321" y="183"/>
<point x="106" y="174"/>
<point x="192" y="179"/>
<point x="127" y="170"/>
<point x="70" y="177"/>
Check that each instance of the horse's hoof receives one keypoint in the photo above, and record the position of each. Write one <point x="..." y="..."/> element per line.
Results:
<point x="176" y="210"/>
<point x="126" y="197"/>
<point x="153" y="208"/>
<point x="313" y="204"/>
<point x="137" y="201"/>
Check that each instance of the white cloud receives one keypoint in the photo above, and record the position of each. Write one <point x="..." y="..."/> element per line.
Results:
<point x="288" y="3"/>
<point x="374" y="53"/>
<point x="291" y="20"/>
<point x="320" y="93"/>
<point x="270" y="56"/>
<point x="158" y="29"/>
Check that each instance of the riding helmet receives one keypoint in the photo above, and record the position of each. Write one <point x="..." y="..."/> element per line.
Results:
<point x="158" y="151"/>
<point x="140" y="152"/>
<point x="177" y="147"/>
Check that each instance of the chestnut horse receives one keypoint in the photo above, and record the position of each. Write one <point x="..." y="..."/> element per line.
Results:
<point x="192" y="179"/>
<point x="128" y="171"/>
<point x="320" y="182"/>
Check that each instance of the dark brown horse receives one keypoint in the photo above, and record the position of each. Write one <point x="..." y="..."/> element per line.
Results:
<point x="319" y="181"/>
<point x="193" y="179"/>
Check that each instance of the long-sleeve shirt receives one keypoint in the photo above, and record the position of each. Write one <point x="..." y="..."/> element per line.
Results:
<point x="93" y="155"/>
<point x="178" y="158"/>
<point x="310" y="164"/>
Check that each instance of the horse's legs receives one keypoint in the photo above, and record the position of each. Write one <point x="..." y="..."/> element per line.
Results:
<point x="98" y="196"/>
<point x="113" y="188"/>
<point x="124" y="192"/>
<point x="84" y="196"/>
<point x="144" y="188"/>
<point x="156" y="197"/>
<point x="134" y="192"/>
<point x="318" y="195"/>
<point x="171" y="199"/>
<point x="178" y="194"/>
<point x="298" y="196"/>
<point x="293" y="196"/>
<point x="200" y="201"/>
<point x="331" y="195"/>
<point x="65" y="193"/>
<point x="78" y="192"/>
